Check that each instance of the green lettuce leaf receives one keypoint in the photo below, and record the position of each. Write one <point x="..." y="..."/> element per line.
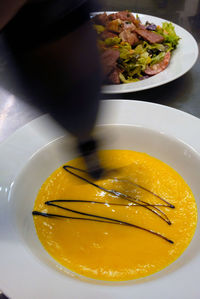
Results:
<point x="112" y="41"/>
<point x="99" y="28"/>
<point x="170" y="37"/>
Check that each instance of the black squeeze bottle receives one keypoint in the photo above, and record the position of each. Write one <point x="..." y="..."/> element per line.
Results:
<point x="55" y="64"/>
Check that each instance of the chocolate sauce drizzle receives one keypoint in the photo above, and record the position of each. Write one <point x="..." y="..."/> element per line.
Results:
<point x="98" y="218"/>
<point x="133" y="202"/>
<point x="154" y="209"/>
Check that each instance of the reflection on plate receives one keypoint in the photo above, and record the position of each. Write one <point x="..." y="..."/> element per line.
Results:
<point x="27" y="271"/>
<point x="183" y="59"/>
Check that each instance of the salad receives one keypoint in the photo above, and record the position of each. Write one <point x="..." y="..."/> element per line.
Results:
<point x="132" y="51"/>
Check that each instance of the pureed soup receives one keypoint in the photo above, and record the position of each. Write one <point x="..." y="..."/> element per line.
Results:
<point x="130" y="224"/>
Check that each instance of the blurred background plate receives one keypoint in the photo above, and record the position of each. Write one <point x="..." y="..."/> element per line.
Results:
<point x="183" y="59"/>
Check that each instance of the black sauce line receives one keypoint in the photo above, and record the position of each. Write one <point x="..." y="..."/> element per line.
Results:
<point x="37" y="213"/>
<point x="49" y="203"/>
<point x="112" y="221"/>
<point x="169" y="205"/>
<point x="97" y="202"/>
<point x="81" y="213"/>
<point x="145" y="205"/>
<point x="103" y="203"/>
<point x="139" y="186"/>
<point x="133" y="183"/>
<point x="119" y="194"/>
<point x="116" y="193"/>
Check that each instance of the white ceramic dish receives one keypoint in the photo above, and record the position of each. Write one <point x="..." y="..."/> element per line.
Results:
<point x="33" y="152"/>
<point x="183" y="59"/>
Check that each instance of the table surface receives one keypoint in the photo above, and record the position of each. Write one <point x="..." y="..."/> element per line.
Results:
<point x="182" y="93"/>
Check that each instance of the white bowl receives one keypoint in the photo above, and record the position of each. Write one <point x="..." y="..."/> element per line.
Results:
<point x="27" y="271"/>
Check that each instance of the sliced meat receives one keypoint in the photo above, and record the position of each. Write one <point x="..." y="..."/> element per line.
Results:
<point x="141" y="26"/>
<point x="101" y="19"/>
<point x="113" y="16"/>
<point x="107" y="34"/>
<point x="114" y="76"/>
<point x="150" y="36"/>
<point x="115" y="26"/>
<point x="158" y="67"/>
<point x="129" y="25"/>
<point x="130" y="37"/>
<point x="118" y="26"/>
<point x="123" y="15"/>
<point x="109" y="60"/>
<point x="126" y="16"/>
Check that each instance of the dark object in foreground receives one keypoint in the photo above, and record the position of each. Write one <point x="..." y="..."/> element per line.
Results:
<point x="88" y="151"/>
<point x="45" y="41"/>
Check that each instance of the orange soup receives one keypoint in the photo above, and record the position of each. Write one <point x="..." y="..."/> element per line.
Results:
<point x="132" y="223"/>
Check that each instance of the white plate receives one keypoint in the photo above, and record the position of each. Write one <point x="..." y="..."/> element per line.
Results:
<point x="183" y="59"/>
<point x="33" y="152"/>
